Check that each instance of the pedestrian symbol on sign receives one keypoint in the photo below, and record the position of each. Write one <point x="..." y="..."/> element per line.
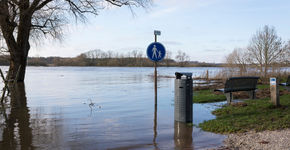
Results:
<point x="159" y="54"/>
<point x="156" y="51"/>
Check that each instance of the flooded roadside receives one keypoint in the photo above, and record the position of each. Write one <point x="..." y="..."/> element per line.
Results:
<point x="100" y="108"/>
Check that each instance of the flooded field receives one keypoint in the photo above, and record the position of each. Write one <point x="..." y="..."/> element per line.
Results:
<point x="101" y="108"/>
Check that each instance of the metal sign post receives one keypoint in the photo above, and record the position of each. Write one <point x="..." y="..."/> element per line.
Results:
<point x="155" y="77"/>
<point x="156" y="52"/>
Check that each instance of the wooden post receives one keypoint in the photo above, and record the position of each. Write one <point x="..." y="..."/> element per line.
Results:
<point x="207" y="77"/>
<point x="274" y="89"/>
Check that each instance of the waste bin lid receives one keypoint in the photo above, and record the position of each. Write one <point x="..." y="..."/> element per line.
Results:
<point x="179" y="74"/>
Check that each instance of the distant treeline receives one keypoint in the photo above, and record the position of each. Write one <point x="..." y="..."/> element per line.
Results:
<point x="100" y="58"/>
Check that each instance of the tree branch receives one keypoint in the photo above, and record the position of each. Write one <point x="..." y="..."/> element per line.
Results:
<point x="41" y="5"/>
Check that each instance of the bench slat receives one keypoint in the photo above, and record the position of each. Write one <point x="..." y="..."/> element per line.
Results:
<point x="287" y="83"/>
<point x="241" y="84"/>
<point x="219" y="90"/>
<point x="235" y="84"/>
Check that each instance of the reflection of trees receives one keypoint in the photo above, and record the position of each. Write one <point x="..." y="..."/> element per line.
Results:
<point x="17" y="130"/>
<point x="47" y="129"/>
<point x="182" y="135"/>
<point x="17" y="133"/>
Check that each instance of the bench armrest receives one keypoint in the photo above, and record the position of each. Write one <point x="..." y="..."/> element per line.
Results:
<point x="219" y="90"/>
<point x="283" y="84"/>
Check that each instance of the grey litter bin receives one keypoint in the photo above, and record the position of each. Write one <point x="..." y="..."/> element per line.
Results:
<point x="183" y="97"/>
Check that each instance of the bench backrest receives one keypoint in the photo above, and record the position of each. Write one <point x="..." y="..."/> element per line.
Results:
<point x="234" y="84"/>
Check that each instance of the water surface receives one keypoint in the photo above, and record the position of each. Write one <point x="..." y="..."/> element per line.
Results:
<point x="54" y="111"/>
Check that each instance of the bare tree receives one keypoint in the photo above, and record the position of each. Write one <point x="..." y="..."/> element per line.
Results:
<point x="134" y="53"/>
<point x="238" y="58"/>
<point x="21" y="20"/>
<point x="266" y="48"/>
<point x="110" y="54"/>
<point x="182" y="58"/>
<point x="286" y="56"/>
<point x="168" y="58"/>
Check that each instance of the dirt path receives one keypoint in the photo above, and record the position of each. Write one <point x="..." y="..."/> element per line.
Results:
<point x="266" y="140"/>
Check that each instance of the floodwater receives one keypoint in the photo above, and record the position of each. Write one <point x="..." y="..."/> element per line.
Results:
<point x="100" y="108"/>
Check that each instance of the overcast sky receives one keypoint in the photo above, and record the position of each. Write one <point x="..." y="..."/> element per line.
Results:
<point x="207" y="30"/>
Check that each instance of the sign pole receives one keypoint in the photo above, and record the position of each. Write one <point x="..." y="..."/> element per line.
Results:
<point x="155" y="76"/>
<point x="155" y="52"/>
<point x="155" y="90"/>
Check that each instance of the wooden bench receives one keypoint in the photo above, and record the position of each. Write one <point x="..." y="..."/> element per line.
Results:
<point x="287" y="83"/>
<point x="235" y="84"/>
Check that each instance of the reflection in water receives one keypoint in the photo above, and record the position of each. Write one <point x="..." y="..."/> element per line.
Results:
<point x="182" y="135"/>
<point x="17" y="133"/>
<point x="55" y="117"/>
<point x="155" y="126"/>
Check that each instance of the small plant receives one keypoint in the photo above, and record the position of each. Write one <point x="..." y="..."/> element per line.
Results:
<point x="92" y="104"/>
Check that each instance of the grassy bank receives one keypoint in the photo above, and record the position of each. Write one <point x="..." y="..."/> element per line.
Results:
<point x="207" y="96"/>
<point x="255" y="115"/>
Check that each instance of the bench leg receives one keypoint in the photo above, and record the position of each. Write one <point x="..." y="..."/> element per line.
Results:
<point x="252" y="94"/>
<point x="229" y="97"/>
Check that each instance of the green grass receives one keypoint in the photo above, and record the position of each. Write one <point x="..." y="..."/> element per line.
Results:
<point x="258" y="115"/>
<point x="207" y="96"/>
<point x="263" y="86"/>
<point x="267" y="86"/>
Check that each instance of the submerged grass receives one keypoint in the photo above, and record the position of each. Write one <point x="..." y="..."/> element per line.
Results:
<point x="207" y="96"/>
<point x="257" y="115"/>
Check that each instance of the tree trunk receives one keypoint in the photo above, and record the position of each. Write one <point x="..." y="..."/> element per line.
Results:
<point x="17" y="60"/>
<point x="19" y="48"/>
<point x="18" y="57"/>
<point x="265" y="70"/>
<point x="261" y="70"/>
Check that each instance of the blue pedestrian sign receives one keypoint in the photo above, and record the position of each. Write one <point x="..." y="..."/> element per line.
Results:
<point x="156" y="51"/>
